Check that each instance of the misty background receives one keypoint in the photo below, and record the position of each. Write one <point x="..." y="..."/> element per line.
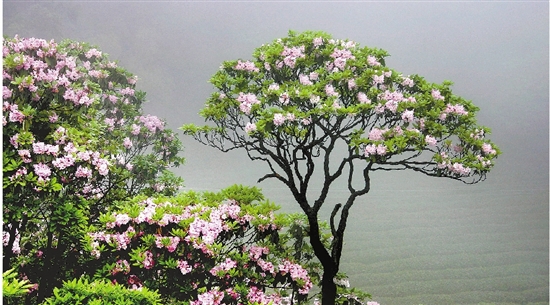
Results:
<point x="413" y="239"/>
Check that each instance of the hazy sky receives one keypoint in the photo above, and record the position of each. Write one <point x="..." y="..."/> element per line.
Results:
<point x="496" y="53"/>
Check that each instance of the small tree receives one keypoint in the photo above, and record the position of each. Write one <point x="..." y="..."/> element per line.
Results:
<point x="75" y="141"/>
<point x="308" y="103"/>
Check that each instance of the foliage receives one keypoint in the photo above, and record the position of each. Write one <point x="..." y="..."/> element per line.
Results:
<point x="82" y="291"/>
<point x="308" y="103"/>
<point x="75" y="141"/>
<point x="12" y="288"/>
<point x="202" y="248"/>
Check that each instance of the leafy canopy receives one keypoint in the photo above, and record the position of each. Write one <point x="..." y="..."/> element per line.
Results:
<point x="303" y="92"/>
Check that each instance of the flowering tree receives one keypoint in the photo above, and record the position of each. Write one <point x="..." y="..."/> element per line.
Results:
<point x="309" y="103"/>
<point x="75" y="140"/>
<point x="201" y="249"/>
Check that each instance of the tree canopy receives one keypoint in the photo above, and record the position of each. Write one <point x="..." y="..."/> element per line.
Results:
<point x="309" y="103"/>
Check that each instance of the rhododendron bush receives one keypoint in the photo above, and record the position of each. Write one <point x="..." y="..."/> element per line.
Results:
<point x="75" y="141"/>
<point x="311" y="106"/>
<point x="201" y="248"/>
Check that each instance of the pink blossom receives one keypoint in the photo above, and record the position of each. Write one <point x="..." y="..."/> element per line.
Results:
<point x="102" y="167"/>
<point x="314" y="99"/>
<point x="16" y="116"/>
<point x="64" y="162"/>
<point x="351" y="84"/>
<point x="284" y="98"/>
<point x="314" y="76"/>
<point x="291" y="54"/>
<point x="363" y="99"/>
<point x="381" y="149"/>
<point x="369" y="150"/>
<point x="246" y="66"/>
<point x="317" y="41"/>
<point x="304" y="80"/>
<point x="53" y="118"/>
<point x="42" y="170"/>
<point x="431" y="140"/>
<point x="376" y="134"/>
<point x="25" y="154"/>
<point x="273" y="87"/>
<point x="407" y="82"/>
<point x="127" y="91"/>
<point x="329" y="90"/>
<point x="455" y="109"/>
<point x="459" y="168"/>
<point x="437" y="95"/>
<point x="6" y="92"/>
<point x="153" y="123"/>
<point x="377" y="79"/>
<point x="127" y="143"/>
<point x="371" y="61"/>
<point x="306" y="121"/>
<point x="488" y="149"/>
<point x="408" y="116"/>
<point x="250" y="127"/>
<point x="247" y="100"/>
<point x="83" y="172"/>
<point x="184" y="267"/>
<point x="278" y="119"/>
<point x="148" y="262"/>
<point x="93" y="52"/>
<point x="39" y="148"/>
<point x="227" y="265"/>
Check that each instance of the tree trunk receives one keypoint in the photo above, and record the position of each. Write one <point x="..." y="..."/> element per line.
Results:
<point x="330" y="268"/>
<point x="328" y="287"/>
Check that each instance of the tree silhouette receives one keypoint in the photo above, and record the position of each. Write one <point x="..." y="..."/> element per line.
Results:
<point x="308" y="103"/>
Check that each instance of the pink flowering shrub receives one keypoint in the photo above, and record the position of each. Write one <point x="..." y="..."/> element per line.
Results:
<point x="200" y="249"/>
<point x="75" y="141"/>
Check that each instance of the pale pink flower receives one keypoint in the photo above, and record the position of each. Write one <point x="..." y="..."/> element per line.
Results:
<point x="377" y="79"/>
<point x="184" y="267"/>
<point x="250" y="127"/>
<point x="284" y="98"/>
<point x="83" y="172"/>
<point x="329" y="90"/>
<point x="431" y="140"/>
<point x="371" y="61"/>
<point x="314" y="76"/>
<point x="407" y="82"/>
<point x="369" y="150"/>
<point x="351" y="84"/>
<point x="304" y="80"/>
<point x="437" y="95"/>
<point x="42" y="170"/>
<point x="314" y="99"/>
<point x="273" y="87"/>
<point x="363" y="99"/>
<point x="408" y="116"/>
<point x="376" y="134"/>
<point x="127" y="143"/>
<point x="246" y="66"/>
<point x="381" y="149"/>
<point x="278" y="119"/>
<point x="317" y="41"/>
<point x="16" y="116"/>
<point x="488" y="149"/>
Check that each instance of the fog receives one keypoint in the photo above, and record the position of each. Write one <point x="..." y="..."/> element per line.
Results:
<point x="413" y="239"/>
